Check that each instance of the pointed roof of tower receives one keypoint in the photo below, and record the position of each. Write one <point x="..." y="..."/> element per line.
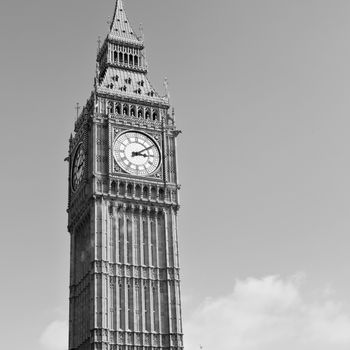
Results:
<point x="120" y="29"/>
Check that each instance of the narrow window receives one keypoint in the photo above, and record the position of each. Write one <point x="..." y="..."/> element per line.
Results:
<point x="130" y="308"/>
<point x="153" y="193"/>
<point x="113" y="187"/>
<point x="155" y="310"/>
<point x="122" y="189"/>
<point x="138" y="191"/>
<point x="153" y="243"/>
<point x="110" y="107"/>
<point x="137" y="243"/>
<point x="138" y="323"/>
<point x="129" y="190"/>
<point x="121" y="307"/>
<point x="131" y="59"/>
<point x="129" y="241"/>
<point x="120" y="57"/>
<point x="161" y="194"/>
<point x="125" y="110"/>
<point x="147" y="309"/>
<point x="126" y="58"/>
<point x="145" y="242"/>
<point x="136" y="60"/>
<point x="121" y="240"/>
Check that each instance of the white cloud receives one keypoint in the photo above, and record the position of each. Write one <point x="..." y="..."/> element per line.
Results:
<point x="269" y="314"/>
<point x="55" y="336"/>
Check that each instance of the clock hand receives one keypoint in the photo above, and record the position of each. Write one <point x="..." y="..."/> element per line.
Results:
<point x="134" y="154"/>
<point x="146" y="149"/>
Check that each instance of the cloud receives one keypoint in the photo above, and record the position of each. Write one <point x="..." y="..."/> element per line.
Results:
<point x="55" y="336"/>
<point x="269" y="314"/>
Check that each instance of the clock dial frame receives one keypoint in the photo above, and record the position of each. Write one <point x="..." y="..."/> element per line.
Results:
<point x="78" y="167"/>
<point x="137" y="153"/>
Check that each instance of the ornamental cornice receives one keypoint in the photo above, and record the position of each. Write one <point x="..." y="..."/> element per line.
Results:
<point x="130" y="67"/>
<point x="127" y="42"/>
<point x="130" y="98"/>
<point x="138" y="202"/>
<point x="160" y="341"/>
<point x="159" y="101"/>
<point x="136" y="272"/>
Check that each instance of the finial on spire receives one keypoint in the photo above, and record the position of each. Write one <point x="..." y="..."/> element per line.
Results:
<point x="142" y="34"/>
<point x="109" y="22"/>
<point x="77" y="109"/>
<point x="99" y="44"/>
<point x="166" y="85"/>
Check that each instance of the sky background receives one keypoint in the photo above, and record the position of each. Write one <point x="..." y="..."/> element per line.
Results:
<point x="261" y="92"/>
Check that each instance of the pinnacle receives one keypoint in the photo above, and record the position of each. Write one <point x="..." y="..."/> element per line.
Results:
<point x="120" y="28"/>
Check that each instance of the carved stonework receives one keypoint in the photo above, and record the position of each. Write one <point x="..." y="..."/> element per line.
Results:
<point x="122" y="226"/>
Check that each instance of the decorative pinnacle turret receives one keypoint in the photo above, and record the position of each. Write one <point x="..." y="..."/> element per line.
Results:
<point x="166" y="85"/>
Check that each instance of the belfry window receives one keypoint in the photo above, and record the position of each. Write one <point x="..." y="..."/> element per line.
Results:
<point x="129" y="190"/>
<point x="110" y="107"/>
<point x="113" y="187"/>
<point x="125" y="110"/>
<point x="136" y="61"/>
<point x="120" y="57"/>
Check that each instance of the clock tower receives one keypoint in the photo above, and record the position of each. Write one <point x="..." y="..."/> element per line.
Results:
<point x="123" y="204"/>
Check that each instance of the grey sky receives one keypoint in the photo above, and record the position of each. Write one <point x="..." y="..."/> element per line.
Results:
<point x="261" y="91"/>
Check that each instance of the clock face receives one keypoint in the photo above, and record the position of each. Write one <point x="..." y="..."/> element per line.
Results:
<point x="137" y="153"/>
<point x="78" y="167"/>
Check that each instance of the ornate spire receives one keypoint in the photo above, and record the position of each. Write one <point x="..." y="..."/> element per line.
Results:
<point x="120" y="28"/>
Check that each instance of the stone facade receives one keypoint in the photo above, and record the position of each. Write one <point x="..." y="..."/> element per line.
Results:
<point x="124" y="267"/>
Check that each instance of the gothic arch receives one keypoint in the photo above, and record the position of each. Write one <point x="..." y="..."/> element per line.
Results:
<point x="154" y="193"/>
<point x="125" y="110"/>
<point x="145" y="192"/>
<point x="155" y="115"/>
<point x="138" y="191"/>
<point x="113" y="187"/>
<point x="122" y="189"/>
<point x="161" y="194"/>
<point x="110" y="107"/>
<point x="129" y="190"/>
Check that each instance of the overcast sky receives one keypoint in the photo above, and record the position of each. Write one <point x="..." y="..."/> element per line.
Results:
<point x="261" y="92"/>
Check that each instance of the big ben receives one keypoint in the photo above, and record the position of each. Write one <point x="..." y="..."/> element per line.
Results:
<point x="123" y="205"/>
